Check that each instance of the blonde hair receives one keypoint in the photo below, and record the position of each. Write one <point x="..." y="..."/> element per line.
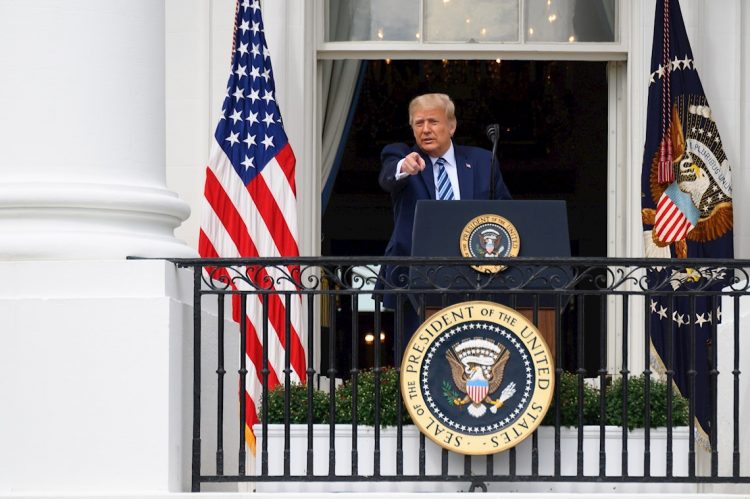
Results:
<point x="433" y="101"/>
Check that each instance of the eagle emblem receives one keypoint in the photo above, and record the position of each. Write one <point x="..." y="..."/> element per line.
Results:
<point x="490" y="239"/>
<point x="489" y="236"/>
<point x="477" y="367"/>
<point x="697" y="206"/>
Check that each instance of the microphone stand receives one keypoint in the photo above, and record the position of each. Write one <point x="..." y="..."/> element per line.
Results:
<point x="492" y="133"/>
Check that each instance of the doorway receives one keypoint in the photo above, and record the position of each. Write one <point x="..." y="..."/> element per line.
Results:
<point x="553" y="118"/>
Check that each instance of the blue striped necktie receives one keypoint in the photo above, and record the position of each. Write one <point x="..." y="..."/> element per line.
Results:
<point x="444" y="187"/>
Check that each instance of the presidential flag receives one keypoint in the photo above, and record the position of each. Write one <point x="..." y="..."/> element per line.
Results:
<point x="686" y="209"/>
<point x="250" y="210"/>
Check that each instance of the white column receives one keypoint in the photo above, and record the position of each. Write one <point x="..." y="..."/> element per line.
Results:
<point x="190" y="122"/>
<point x="82" y="124"/>
<point x="94" y="360"/>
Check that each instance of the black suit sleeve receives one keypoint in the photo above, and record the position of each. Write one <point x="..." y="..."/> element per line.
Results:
<point x="389" y="158"/>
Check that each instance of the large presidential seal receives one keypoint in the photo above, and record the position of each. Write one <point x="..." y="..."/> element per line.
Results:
<point x="489" y="236"/>
<point x="477" y="378"/>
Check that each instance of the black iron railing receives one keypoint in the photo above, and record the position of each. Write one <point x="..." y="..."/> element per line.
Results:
<point x="600" y="317"/>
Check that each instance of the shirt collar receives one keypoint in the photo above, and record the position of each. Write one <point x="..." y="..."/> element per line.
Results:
<point x="449" y="156"/>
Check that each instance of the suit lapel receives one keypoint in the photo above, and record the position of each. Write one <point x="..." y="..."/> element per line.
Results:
<point x="465" y="175"/>
<point x="427" y="176"/>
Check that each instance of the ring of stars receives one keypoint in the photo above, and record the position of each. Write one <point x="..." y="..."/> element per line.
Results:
<point x="675" y="64"/>
<point x="683" y="318"/>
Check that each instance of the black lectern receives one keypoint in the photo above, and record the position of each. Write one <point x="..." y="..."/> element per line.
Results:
<point x="543" y="232"/>
<point x="542" y="226"/>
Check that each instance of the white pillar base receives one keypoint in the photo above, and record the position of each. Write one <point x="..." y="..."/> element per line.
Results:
<point x="95" y="378"/>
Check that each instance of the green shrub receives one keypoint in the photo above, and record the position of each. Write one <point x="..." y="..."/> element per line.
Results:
<point x="297" y="405"/>
<point x="390" y="398"/>
<point x="568" y="390"/>
<point x="637" y="406"/>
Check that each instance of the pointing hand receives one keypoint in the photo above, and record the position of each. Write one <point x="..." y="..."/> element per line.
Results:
<point x="413" y="164"/>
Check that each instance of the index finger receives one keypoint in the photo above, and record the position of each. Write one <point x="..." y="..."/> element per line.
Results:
<point x="420" y="161"/>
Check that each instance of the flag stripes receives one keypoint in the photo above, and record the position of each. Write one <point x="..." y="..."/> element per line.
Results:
<point x="254" y="346"/>
<point x="237" y="243"/>
<point x="671" y="224"/>
<point x="250" y="211"/>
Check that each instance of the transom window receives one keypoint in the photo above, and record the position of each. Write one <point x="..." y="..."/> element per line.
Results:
<point x="472" y="21"/>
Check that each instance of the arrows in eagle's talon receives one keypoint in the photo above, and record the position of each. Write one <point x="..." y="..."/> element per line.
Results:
<point x="496" y="404"/>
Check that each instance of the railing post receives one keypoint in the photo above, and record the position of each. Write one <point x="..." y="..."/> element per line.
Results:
<point x="309" y="377"/>
<point x="647" y="390"/>
<point x="242" y="372"/>
<point x="558" y="378"/>
<point x="625" y="372"/>
<point x="332" y="388"/>
<point x="377" y="371"/>
<point x="602" y="389"/>
<point x="736" y="375"/>
<point x="581" y="371"/>
<point x="713" y="373"/>
<point x="196" y="465"/>
<point x="353" y="380"/>
<point x="265" y="371"/>
<point x="220" y="372"/>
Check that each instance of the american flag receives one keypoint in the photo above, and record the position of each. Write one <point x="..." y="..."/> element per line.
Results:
<point x="250" y="206"/>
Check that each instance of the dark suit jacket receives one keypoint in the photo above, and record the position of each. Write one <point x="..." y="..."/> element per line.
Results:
<point x="473" y="169"/>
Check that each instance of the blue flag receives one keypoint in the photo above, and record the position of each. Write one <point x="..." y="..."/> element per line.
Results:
<point x="686" y="208"/>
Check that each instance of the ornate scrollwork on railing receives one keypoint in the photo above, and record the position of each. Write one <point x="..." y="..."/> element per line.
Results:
<point x="694" y="279"/>
<point x="361" y="277"/>
<point x="455" y="275"/>
<point x="741" y="280"/>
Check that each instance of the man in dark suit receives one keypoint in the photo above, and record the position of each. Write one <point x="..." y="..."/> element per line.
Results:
<point x="434" y="168"/>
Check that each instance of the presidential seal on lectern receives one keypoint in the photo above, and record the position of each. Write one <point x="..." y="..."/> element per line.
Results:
<point x="489" y="236"/>
<point x="477" y="378"/>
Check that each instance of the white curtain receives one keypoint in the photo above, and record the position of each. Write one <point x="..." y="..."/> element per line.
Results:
<point x="609" y="11"/>
<point x="339" y="81"/>
<point x="559" y="20"/>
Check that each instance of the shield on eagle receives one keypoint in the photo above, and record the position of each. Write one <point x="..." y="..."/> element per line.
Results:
<point x="477" y="389"/>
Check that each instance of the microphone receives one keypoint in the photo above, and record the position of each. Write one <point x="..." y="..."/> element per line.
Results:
<point x="493" y="133"/>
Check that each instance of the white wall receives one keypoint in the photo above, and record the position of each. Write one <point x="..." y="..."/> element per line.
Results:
<point x="188" y="104"/>
<point x="742" y="176"/>
<point x="715" y="34"/>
